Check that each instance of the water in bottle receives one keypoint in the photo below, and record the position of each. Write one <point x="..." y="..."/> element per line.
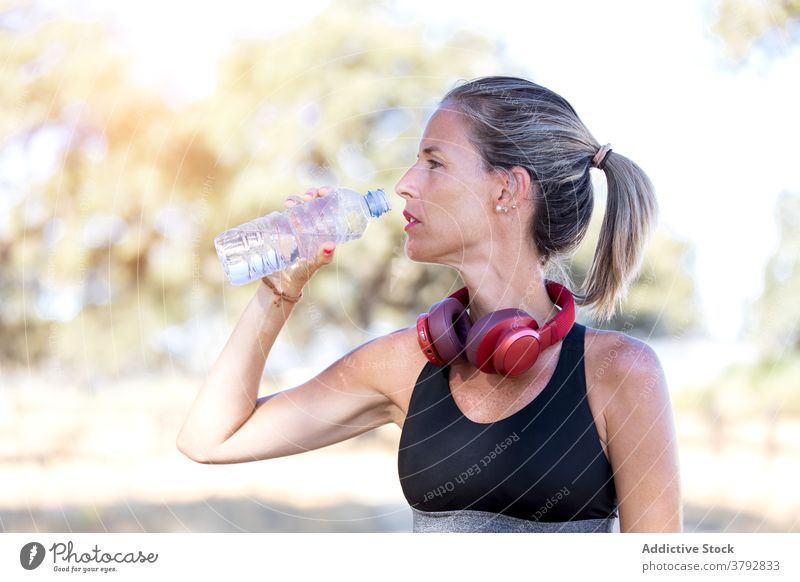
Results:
<point x="276" y="241"/>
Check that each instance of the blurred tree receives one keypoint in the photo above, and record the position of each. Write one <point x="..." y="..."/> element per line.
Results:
<point x="772" y="322"/>
<point x="744" y="23"/>
<point x="775" y="315"/>
<point x="110" y="196"/>
<point x="108" y="220"/>
<point x="98" y="162"/>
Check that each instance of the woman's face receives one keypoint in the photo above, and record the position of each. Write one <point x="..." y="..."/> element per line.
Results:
<point x="448" y="192"/>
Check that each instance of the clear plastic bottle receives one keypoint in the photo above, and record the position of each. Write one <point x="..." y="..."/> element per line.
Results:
<point x="277" y="240"/>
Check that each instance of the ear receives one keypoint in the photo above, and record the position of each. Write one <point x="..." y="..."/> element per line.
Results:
<point x="515" y="182"/>
<point x="522" y="181"/>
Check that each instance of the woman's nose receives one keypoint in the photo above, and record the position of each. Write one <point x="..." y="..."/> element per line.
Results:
<point x="404" y="186"/>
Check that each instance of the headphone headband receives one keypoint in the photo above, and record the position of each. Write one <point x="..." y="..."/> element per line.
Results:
<point x="504" y="341"/>
<point x="559" y="326"/>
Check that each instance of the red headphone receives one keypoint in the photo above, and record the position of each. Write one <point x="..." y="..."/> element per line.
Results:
<point x="505" y="342"/>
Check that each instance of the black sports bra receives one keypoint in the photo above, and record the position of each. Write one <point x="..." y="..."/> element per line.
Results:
<point x="543" y="463"/>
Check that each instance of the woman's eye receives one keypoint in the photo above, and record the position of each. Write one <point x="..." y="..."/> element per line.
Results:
<point x="434" y="164"/>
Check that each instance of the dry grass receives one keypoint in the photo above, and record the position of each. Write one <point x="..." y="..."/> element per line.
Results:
<point x="62" y="447"/>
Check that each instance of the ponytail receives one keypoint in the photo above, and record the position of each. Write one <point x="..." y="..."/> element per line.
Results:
<point x="630" y="215"/>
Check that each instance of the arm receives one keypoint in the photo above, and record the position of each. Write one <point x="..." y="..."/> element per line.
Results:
<point x="229" y="424"/>
<point x="642" y="445"/>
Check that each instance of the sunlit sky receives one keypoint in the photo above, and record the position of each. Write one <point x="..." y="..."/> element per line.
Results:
<point x="719" y="143"/>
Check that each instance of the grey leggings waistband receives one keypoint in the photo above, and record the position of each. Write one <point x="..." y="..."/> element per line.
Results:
<point x="474" y="521"/>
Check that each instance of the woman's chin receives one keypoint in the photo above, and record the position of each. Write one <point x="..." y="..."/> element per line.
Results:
<point x="413" y="252"/>
<point x="420" y="255"/>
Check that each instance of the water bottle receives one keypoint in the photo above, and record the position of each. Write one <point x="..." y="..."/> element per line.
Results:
<point x="275" y="241"/>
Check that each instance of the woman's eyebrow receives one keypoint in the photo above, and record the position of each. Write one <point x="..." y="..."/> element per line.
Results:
<point x="431" y="149"/>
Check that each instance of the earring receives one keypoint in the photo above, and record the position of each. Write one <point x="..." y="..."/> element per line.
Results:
<point x="503" y="209"/>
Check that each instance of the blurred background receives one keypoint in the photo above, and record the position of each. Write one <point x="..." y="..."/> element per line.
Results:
<point x="132" y="133"/>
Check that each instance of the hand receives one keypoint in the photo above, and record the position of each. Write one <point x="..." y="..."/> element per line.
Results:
<point x="292" y="280"/>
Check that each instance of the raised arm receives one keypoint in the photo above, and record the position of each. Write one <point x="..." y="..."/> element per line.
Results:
<point x="228" y="423"/>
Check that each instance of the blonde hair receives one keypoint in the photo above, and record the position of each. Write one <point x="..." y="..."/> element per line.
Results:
<point x="515" y="122"/>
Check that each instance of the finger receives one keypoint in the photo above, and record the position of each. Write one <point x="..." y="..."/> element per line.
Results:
<point x="326" y="251"/>
<point x="292" y="200"/>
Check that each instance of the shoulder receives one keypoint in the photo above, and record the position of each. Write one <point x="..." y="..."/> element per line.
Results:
<point x="396" y="349"/>
<point x="626" y="371"/>
<point x="616" y="354"/>
<point x="390" y="364"/>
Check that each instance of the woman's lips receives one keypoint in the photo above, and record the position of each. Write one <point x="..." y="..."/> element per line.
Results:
<point x="411" y="224"/>
<point x="411" y="220"/>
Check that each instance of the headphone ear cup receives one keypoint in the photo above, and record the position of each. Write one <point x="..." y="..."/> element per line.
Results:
<point x="517" y="351"/>
<point x="483" y="338"/>
<point x="425" y="343"/>
<point x="449" y="325"/>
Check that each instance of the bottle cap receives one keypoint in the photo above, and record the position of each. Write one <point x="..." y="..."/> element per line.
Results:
<point x="377" y="202"/>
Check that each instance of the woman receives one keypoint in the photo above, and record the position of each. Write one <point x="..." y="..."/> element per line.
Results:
<point x="500" y="191"/>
